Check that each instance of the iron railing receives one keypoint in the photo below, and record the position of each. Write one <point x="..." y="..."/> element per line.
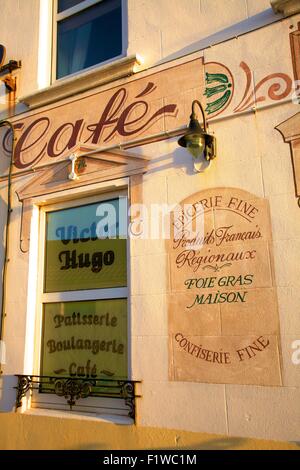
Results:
<point x="73" y="389"/>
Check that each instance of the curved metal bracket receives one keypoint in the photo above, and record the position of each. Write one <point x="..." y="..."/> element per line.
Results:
<point x="193" y="116"/>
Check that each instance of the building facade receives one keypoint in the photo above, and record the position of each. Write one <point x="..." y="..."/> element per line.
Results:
<point x="143" y="285"/>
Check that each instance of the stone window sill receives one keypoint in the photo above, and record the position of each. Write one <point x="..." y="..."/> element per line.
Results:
<point x="110" y="419"/>
<point x="83" y="82"/>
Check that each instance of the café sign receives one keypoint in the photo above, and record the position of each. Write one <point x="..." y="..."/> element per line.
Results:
<point x="141" y="107"/>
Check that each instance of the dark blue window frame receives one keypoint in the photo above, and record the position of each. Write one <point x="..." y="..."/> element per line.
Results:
<point x="88" y="37"/>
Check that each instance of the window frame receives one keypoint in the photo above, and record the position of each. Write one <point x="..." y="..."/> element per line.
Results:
<point x="49" y="401"/>
<point x="72" y="11"/>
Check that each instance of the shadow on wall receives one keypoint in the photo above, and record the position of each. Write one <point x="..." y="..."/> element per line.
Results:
<point x="7" y="393"/>
<point x="7" y="382"/>
<point x="3" y="212"/>
<point x="178" y="159"/>
<point x="226" y="443"/>
<point x="4" y="384"/>
<point x="250" y="24"/>
<point x="213" y="444"/>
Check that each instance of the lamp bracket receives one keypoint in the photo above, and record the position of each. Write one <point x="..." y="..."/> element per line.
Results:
<point x="193" y="115"/>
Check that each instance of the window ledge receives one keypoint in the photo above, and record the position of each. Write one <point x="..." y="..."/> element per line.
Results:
<point x="108" y="419"/>
<point x="84" y="81"/>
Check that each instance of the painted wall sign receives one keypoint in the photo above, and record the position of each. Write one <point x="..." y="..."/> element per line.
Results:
<point x="223" y="315"/>
<point x="239" y="82"/>
<point x="141" y="107"/>
<point x="220" y="88"/>
<point x="85" y="339"/>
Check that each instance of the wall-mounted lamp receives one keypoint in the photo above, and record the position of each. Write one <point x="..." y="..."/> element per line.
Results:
<point x="6" y="70"/>
<point x="199" y="143"/>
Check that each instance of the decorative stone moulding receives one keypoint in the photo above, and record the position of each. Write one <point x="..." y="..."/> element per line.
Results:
<point x="91" y="166"/>
<point x="290" y="131"/>
<point x="290" y="128"/>
<point x="83" y="82"/>
<point x="286" y="7"/>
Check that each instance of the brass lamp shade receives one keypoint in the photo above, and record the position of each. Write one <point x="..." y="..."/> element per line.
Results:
<point x="196" y="139"/>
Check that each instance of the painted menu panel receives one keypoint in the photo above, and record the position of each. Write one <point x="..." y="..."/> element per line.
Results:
<point x="85" y="339"/>
<point x="223" y="317"/>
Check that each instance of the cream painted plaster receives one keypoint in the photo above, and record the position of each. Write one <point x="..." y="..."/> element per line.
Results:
<point x="251" y="156"/>
<point x="21" y="20"/>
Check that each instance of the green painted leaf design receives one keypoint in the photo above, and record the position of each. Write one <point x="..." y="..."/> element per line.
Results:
<point x="219" y="103"/>
<point x="216" y="77"/>
<point x="214" y="90"/>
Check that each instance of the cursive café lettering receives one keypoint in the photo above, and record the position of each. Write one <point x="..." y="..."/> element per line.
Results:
<point x="119" y="118"/>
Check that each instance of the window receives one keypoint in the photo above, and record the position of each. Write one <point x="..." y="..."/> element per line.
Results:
<point x="87" y="32"/>
<point x="77" y="255"/>
<point x="83" y="326"/>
